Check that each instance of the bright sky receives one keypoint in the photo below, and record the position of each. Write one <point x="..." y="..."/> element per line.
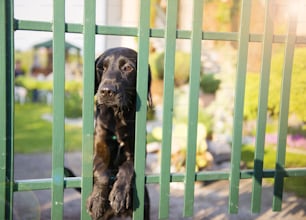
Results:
<point x="38" y="10"/>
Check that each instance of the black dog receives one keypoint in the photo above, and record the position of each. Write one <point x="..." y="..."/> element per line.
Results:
<point x="115" y="88"/>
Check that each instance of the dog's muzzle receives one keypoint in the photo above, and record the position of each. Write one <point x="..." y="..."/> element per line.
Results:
<point x="108" y="91"/>
<point x="111" y="95"/>
<point x="108" y="95"/>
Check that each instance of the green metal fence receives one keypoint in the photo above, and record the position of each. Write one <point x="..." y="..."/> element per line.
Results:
<point x="89" y="29"/>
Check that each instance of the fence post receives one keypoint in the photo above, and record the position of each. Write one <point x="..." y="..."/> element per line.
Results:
<point x="6" y="108"/>
<point x="239" y="103"/>
<point x="283" y="115"/>
<point x="88" y="102"/>
<point x="58" y="130"/>
<point x="193" y="105"/>
<point x="262" y="108"/>
<point x="141" y="106"/>
<point x="170" y="39"/>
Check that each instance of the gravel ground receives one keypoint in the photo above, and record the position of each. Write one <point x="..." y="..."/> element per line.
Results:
<point x="210" y="200"/>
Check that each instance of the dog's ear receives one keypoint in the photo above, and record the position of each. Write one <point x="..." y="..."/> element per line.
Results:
<point x="98" y="71"/>
<point x="149" y="98"/>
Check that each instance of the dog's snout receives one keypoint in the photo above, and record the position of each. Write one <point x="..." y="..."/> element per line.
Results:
<point x="108" y="90"/>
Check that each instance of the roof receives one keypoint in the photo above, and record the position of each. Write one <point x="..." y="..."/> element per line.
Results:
<point x="49" y="43"/>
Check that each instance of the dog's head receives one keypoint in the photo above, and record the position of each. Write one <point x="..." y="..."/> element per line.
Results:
<point x="115" y="78"/>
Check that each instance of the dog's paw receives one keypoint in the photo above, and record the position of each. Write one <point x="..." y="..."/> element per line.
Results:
<point x="120" y="197"/>
<point x="96" y="205"/>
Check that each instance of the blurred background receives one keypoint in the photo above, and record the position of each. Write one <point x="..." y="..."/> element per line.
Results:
<point x="34" y="82"/>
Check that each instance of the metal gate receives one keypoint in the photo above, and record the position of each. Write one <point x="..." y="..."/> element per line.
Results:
<point x="8" y="24"/>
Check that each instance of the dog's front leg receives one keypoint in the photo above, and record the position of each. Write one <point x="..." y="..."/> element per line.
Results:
<point x="97" y="202"/>
<point x="120" y="196"/>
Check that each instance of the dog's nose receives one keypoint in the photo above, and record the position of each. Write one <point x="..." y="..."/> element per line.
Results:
<point x="108" y="90"/>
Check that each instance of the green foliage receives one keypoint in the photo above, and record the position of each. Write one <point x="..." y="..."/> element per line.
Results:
<point x="298" y="87"/>
<point x="296" y="185"/>
<point x="73" y="100"/>
<point x="251" y="96"/>
<point x="31" y="83"/>
<point x="293" y="160"/>
<point x="181" y="69"/>
<point x="223" y="13"/>
<point x="209" y="84"/>
<point x="157" y="65"/>
<point x="73" y="105"/>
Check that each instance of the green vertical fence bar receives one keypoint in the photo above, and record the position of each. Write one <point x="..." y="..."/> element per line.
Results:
<point x="6" y="109"/>
<point x="239" y="106"/>
<point x="262" y="108"/>
<point x="88" y="102"/>
<point x="3" y="110"/>
<point x="58" y="135"/>
<point x="284" y="111"/>
<point x="170" y="36"/>
<point x="141" y="113"/>
<point x="194" y="85"/>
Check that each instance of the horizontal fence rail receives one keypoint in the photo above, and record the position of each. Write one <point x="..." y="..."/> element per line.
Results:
<point x="89" y="29"/>
<point x="74" y="182"/>
<point x="154" y="32"/>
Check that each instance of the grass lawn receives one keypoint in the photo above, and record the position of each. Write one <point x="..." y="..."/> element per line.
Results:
<point x="34" y="134"/>
<point x="293" y="160"/>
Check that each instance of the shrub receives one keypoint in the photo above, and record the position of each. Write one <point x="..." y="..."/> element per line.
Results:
<point x="181" y="69"/>
<point x="157" y="65"/>
<point x="209" y="84"/>
<point x="298" y="87"/>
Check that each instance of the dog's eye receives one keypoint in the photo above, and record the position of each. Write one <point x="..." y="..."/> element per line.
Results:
<point x="127" y="68"/>
<point x="103" y="69"/>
